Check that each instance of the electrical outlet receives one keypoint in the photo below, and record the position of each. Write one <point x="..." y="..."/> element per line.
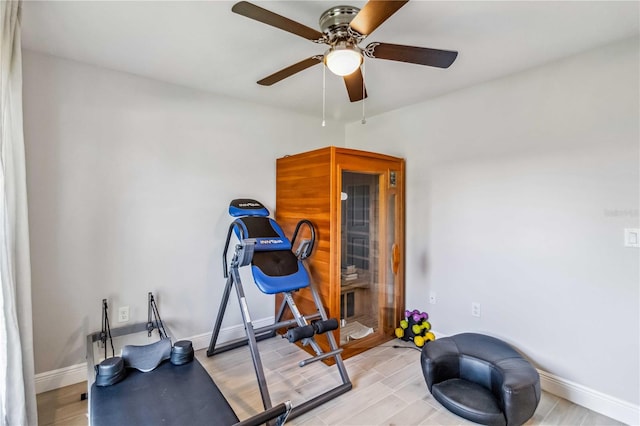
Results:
<point x="432" y="298"/>
<point x="123" y="314"/>
<point x="475" y="309"/>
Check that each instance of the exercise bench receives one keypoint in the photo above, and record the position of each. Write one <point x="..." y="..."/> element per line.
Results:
<point x="173" y="388"/>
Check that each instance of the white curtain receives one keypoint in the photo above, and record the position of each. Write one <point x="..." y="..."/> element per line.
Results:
<point x="17" y="385"/>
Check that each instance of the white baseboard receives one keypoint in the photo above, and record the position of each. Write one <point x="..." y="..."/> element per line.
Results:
<point x="599" y="402"/>
<point x="61" y="377"/>
<point x="66" y="376"/>
<point x="201" y="341"/>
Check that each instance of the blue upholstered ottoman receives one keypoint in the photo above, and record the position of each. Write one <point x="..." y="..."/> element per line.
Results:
<point x="481" y="378"/>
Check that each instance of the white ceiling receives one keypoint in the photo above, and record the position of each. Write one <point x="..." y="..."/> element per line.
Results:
<point x="202" y="44"/>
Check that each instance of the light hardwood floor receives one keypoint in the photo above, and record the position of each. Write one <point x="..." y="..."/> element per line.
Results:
<point x="388" y="389"/>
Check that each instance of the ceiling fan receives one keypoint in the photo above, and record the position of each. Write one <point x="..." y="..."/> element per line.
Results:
<point x="343" y="28"/>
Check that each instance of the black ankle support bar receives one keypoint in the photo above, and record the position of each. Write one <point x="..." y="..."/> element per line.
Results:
<point x="299" y="333"/>
<point x="324" y="326"/>
<point x="306" y="331"/>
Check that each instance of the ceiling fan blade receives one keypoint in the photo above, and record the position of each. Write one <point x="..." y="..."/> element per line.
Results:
<point x="267" y="17"/>
<point x="291" y="70"/>
<point x="374" y="13"/>
<point x="355" y="86"/>
<point x="414" y="55"/>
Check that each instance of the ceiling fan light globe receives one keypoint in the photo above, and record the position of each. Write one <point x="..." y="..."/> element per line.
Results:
<point x="343" y="61"/>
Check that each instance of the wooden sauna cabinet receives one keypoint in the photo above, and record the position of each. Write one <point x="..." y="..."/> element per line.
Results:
<point x="355" y="199"/>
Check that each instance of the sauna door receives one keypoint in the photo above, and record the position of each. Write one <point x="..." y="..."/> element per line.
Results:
<point x="368" y="250"/>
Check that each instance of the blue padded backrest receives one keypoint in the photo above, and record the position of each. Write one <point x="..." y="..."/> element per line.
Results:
<point x="253" y="222"/>
<point x="274" y="266"/>
<point x="267" y="233"/>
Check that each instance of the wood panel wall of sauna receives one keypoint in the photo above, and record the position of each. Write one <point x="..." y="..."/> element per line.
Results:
<point x="355" y="199"/>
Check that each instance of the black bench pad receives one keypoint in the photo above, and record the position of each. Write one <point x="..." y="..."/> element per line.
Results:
<point x="169" y="395"/>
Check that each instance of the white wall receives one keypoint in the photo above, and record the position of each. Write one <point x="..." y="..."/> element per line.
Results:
<point x="129" y="183"/>
<point x="518" y="192"/>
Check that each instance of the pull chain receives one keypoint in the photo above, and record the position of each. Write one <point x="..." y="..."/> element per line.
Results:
<point x="324" y="93"/>
<point x="364" y="120"/>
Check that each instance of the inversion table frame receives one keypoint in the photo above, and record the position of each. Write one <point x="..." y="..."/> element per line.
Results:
<point x="243" y="256"/>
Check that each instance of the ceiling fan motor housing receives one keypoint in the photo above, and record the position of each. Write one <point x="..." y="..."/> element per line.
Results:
<point x="343" y="28"/>
<point x="334" y="22"/>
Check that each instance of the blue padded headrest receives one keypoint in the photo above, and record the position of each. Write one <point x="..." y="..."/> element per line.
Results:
<point x="247" y="207"/>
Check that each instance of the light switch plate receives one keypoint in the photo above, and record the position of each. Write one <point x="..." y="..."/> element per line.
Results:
<point x="632" y="237"/>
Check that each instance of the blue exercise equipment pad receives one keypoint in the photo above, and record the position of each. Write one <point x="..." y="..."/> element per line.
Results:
<point x="276" y="269"/>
